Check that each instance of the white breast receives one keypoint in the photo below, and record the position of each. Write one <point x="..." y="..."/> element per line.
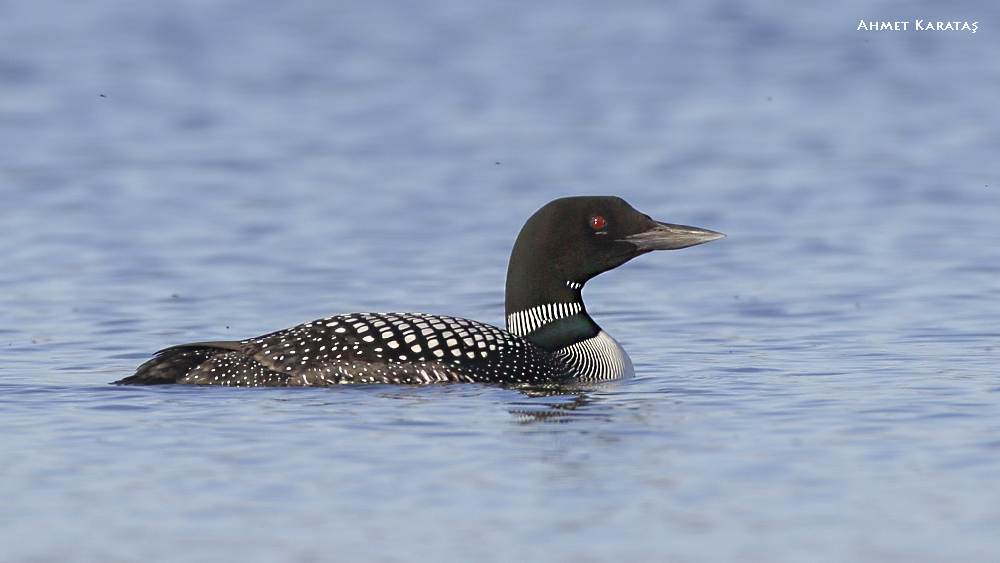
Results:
<point x="598" y="358"/>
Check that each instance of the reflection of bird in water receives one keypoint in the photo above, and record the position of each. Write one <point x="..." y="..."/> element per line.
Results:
<point x="527" y="413"/>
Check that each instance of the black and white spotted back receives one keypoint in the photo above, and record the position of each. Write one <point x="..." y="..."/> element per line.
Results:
<point x="396" y="348"/>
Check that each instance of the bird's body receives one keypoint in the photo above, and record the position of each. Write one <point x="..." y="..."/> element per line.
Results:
<point x="550" y="338"/>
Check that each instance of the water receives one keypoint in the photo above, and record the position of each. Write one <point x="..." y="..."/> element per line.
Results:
<point x="821" y="385"/>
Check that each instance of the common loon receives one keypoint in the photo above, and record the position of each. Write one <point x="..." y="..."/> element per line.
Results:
<point x="550" y="338"/>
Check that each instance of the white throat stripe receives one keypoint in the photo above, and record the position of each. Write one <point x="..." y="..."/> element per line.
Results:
<point x="526" y="322"/>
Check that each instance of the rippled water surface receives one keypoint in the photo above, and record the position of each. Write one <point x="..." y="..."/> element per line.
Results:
<point x="822" y="385"/>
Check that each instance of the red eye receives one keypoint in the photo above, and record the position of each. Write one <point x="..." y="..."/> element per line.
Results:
<point x="597" y="222"/>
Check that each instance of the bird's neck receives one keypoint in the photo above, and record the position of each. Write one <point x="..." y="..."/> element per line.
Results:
<point x="543" y="307"/>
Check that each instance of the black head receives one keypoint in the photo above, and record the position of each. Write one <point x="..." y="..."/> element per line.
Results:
<point x="570" y="240"/>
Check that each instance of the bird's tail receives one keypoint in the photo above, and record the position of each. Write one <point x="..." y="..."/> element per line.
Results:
<point x="172" y="364"/>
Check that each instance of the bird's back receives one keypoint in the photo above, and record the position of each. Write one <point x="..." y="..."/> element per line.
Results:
<point x="400" y="348"/>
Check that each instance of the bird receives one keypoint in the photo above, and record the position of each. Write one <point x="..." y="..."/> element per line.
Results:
<point x="549" y="338"/>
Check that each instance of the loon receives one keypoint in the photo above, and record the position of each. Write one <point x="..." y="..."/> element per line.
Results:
<point x="550" y="338"/>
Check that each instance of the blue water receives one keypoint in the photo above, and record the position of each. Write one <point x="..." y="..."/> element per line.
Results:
<point x="822" y="385"/>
